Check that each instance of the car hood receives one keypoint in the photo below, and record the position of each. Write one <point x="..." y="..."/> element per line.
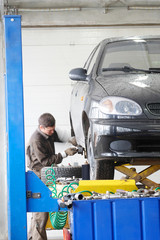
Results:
<point x="142" y="88"/>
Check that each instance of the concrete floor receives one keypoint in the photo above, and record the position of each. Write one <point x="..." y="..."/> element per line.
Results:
<point x="55" y="234"/>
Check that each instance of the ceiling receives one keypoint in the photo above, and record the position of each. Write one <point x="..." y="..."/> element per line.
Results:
<point x="55" y="13"/>
<point x="79" y="3"/>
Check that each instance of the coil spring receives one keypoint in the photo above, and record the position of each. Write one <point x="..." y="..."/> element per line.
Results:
<point x="58" y="219"/>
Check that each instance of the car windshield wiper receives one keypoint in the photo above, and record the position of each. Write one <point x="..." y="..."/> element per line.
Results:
<point x="131" y="69"/>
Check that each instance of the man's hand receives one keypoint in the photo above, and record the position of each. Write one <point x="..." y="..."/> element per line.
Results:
<point x="71" y="151"/>
<point x="73" y="141"/>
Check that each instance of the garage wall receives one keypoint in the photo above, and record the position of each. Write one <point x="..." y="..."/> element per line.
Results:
<point x="48" y="56"/>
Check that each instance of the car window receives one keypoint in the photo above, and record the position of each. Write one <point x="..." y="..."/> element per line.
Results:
<point x="137" y="54"/>
<point x="91" y="60"/>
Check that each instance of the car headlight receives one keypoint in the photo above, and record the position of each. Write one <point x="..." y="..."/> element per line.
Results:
<point x="119" y="106"/>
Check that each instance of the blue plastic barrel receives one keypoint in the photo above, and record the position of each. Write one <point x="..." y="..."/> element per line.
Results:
<point x="116" y="219"/>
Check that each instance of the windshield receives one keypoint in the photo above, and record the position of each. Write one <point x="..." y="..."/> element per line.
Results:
<point x="137" y="55"/>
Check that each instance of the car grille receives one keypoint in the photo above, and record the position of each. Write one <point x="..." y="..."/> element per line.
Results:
<point x="148" y="148"/>
<point x="154" y="108"/>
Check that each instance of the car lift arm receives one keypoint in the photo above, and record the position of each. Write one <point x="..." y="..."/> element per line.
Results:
<point x="141" y="176"/>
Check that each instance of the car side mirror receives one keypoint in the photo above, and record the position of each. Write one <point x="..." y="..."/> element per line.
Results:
<point x="78" y="74"/>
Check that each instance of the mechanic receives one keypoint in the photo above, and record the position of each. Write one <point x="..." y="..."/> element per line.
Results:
<point x="41" y="153"/>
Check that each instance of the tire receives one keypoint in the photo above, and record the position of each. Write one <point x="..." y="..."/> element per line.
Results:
<point x="105" y="169"/>
<point x="62" y="172"/>
<point x="99" y="169"/>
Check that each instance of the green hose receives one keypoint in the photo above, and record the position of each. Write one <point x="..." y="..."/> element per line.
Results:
<point x="85" y="191"/>
<point x="58" y="219"/>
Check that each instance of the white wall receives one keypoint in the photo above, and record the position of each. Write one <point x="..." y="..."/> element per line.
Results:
<point x="48" y="56"/>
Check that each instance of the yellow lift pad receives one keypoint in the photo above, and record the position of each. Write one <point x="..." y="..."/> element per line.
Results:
<point x="101" y="186"/>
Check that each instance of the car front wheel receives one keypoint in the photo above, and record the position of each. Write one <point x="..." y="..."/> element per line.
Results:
<point x="99" y="169"/>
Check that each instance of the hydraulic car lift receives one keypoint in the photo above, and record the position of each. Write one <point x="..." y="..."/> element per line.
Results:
<point x="118" y="219"/>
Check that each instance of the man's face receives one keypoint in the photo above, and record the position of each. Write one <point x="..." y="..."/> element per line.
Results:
<point x="47" y="130"/>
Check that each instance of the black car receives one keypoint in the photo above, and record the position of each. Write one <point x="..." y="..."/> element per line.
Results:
<point x="115" y="104"/>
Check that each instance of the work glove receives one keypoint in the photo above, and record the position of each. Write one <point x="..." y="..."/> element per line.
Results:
<point x="71" y="151"/>
<point x="73" y="141"/>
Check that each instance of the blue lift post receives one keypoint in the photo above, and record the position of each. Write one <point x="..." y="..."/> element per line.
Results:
<point x="26" y="192"/>
<point x="17" y="208"/>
